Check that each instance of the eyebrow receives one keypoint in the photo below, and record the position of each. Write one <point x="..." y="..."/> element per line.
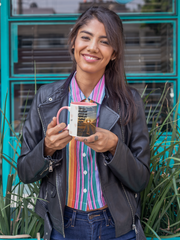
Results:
<point x="92" y="34"/>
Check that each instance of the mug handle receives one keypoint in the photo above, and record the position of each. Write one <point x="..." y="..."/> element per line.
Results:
<point x="66" y="107"/>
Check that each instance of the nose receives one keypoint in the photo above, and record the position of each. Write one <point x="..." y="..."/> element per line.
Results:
<point x="93" y="46"/>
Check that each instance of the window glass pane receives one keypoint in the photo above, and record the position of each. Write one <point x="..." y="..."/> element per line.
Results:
<point x="149" y="47"/>
<point x="53" y="7"/>
<point x="156" y="89"/>
<point x="42" y="44"/>
<point x="21" y="99"/>
<point x="22" y="95"/>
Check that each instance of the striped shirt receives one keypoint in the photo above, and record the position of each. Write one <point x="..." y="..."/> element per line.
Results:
<point x="83" y="189"/>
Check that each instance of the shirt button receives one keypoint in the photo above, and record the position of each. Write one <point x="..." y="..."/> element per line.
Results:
<point x="85" y="190"/>
<point x="105" y="164"/>
<point x="50" y="99"/>
<point x="84" y="155"/>
<point x="85" y="172"/>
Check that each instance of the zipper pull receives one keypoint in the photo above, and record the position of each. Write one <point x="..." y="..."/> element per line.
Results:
<point x="134" y="228"/>
<point x="50" y="167"/>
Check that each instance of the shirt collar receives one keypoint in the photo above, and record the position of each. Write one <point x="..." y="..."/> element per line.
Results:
<point x="97" y="94"/>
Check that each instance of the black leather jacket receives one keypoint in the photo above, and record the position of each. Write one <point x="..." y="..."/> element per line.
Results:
<point x="122" y="177"/>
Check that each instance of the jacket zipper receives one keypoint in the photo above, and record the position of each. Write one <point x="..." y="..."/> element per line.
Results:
<point x="41" y="122"/>
<point x="60" y="206"/>
<point x="50" y="167"/>
<point x="133" y="225"/>
<point x="43" y="171"/>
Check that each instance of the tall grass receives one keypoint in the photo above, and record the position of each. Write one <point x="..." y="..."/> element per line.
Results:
<point x="161" y="199"/>
<point x="17" y="214"/>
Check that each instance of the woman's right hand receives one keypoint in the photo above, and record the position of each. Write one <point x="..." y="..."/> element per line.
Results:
<point x="55" y="140"/>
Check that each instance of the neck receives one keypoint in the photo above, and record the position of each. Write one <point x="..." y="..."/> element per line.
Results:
<point x="87" y="82"/>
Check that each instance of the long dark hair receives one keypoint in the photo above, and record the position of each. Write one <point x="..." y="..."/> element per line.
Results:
<point x="119" y="91"/>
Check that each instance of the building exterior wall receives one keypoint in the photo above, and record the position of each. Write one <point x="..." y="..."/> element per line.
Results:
<point x="34" y="43"/>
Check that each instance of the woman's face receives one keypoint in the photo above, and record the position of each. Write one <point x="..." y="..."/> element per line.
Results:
<point x="92" y="51"/>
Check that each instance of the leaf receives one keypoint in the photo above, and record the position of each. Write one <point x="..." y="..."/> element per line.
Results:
<point x="155" y="234"/>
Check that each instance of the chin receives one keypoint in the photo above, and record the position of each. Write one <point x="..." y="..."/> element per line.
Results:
<point x="89" y="70"/>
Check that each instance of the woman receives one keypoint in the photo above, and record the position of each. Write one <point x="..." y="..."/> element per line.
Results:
<point x="90" y="185"/>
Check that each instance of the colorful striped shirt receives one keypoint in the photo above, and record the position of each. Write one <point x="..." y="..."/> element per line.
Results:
<point x="83" y="189"/>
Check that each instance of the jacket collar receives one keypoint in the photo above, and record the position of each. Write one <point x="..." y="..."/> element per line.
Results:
<point x="65" y="86"/>
<point x="108" y="118"/>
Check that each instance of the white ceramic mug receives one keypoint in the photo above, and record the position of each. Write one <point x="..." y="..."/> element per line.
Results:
<point x="82" y="118"/>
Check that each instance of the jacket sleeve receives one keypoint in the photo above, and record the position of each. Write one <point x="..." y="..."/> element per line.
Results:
<point x="31" y="164"/>
<point x="130" y="164"/>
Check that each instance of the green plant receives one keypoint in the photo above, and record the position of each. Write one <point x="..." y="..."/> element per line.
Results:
<point x="160" y="200"/>
<point x="17" y="214"/>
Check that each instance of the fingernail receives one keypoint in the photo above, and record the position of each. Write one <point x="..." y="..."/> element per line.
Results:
<point x="76" y="138"/>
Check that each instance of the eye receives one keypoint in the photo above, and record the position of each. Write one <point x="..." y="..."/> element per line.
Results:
<point x="105" y="42"/>
<point x="85" y="37"/>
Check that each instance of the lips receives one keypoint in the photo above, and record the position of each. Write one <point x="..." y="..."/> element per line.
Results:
<point x="90" y="58"/>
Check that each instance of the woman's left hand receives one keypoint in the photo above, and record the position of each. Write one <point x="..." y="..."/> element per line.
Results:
<point x="102" y="141"/>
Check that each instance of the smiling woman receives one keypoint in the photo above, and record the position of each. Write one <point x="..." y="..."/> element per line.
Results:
<point x="92" y="53"/>
<point x="90" y="184"/>
<point x="102" y="26"/>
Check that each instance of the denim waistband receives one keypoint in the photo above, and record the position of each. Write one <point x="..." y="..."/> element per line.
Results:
<point x="90" y="216"/>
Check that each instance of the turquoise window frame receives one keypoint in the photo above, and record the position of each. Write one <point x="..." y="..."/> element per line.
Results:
<point x="14" y="47"/>
<point x="6" y="19"/>
<point x="75" y="15"/>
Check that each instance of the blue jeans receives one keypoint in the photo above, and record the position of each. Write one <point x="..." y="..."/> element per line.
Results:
<point x="95" y="225"/>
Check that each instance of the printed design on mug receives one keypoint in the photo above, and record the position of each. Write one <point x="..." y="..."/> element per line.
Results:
<point x="86" y="121"/>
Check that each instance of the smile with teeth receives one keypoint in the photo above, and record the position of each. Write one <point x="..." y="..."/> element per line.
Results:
<point x="90" y="57"/>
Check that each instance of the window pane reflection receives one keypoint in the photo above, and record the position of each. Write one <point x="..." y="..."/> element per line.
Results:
<point x="43" y="45"/>
<point x="149" y="47"/>
<point x="22" y="96"/>
<point x="52" y="7"/>
<point x="155" y="90"/>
